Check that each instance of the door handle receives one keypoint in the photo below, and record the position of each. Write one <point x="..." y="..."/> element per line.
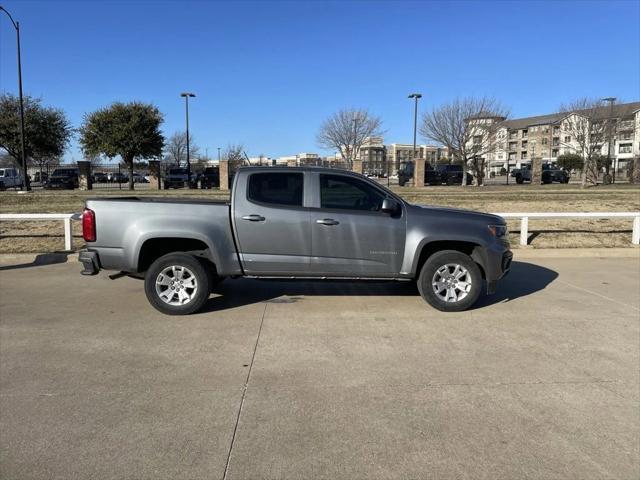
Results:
<point x="253" y="218"/>
<point x="327" y="221"/>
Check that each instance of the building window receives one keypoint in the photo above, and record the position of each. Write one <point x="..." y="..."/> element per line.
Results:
<point x="525" y="133"/>
<point x="523" y="155"/>
<point x="524" y="144"/>
<point x="512" y="156"/>
<point x="545" y="141"/>
<point x="556" y="130"/>
<point x="625" y="148"/>
<point x="554" y="153"/>
<point x="513" y="135"/>
<point x="625" y="136"/>
<point x="567" y="139"/>
<point x="556" y="141"/>
<point x="513" y="145"/>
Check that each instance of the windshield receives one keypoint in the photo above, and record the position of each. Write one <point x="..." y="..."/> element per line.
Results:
<point x="1" y="172"/>
<point x="177" y="171"/>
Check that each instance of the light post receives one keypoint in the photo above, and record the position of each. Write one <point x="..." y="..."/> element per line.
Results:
<point x="186" y="96"/>
<point x="16" y="25"/>
<point x="416" y="96"/>
<point x="218" y="154"/>
<point x="610" y="100"/>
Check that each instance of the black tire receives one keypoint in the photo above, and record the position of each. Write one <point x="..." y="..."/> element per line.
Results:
<point x="197" y="268"/>
<point x="519" y="179"/>
<point x="401" y="183"/>
<point x="450" y="257"/>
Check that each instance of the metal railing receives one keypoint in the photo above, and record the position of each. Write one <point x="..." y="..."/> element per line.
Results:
<point x="65" y="217"/>
<point x="525" y="216"/>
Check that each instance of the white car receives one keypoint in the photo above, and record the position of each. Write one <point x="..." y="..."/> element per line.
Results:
<point x="10" y="177"/>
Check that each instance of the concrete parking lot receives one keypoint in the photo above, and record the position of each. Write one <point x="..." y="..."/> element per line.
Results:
<point x="321" y="380"/>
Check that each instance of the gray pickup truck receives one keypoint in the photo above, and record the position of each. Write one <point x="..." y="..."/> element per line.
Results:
<point x="294" y="223"/>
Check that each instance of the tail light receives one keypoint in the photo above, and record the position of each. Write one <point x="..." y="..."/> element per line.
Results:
<point x="89" y="225"/>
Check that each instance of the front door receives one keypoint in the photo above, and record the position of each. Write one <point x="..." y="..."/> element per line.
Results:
<point x="272" y="225"/>
<point x="350" y="236"/>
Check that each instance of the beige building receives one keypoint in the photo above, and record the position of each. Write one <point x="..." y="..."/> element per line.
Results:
<point x="548" y="136"/>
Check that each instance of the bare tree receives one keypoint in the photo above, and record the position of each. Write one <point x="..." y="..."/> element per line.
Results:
<point x="346" y="131"/>
<point x="177" y="148"/>
<point x="587" y="125"/>
<point x="234" y="154"/>
<point x="468" y="128"/>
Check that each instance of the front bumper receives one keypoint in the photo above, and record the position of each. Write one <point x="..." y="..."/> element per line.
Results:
<point x="90" y="261"/>
<point x="495" y="260"/>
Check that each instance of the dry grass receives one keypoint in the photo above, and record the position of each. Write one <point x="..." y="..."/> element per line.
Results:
<point x="18" y="237"/>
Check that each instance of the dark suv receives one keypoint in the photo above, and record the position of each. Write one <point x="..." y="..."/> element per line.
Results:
<point x="63" y="178"/>
<point x="210" y="178"/>
<point x="442" y="174"/>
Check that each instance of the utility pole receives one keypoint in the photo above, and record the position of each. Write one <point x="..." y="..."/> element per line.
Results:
<point x="25" y="180"/>
<point x="611" y="100"/>
<point x="186" y="96"/>
<point x="416" y="96"/>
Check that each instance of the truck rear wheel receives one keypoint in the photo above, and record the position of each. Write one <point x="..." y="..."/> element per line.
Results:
<point x="178" y="284"/>
<point x="450" y="281"/>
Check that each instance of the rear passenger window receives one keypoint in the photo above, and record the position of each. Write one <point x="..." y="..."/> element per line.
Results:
<point x="280" y="188"/>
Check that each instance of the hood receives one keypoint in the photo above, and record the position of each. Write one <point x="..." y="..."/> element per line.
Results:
<point x="489" y="218"/>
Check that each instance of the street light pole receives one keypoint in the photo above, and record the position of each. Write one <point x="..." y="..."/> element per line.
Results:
<point x="218" y="154"/>
<point x="186" y="96"/>
<point x="417" y="96"/>
<point x="610" y="100"/>
<point x="25" y="181"/>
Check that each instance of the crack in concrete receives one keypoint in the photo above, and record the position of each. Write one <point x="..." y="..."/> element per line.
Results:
<point x="244" y="395"/>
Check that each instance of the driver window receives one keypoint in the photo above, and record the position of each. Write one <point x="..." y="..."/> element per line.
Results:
<point x="342" y="192"/>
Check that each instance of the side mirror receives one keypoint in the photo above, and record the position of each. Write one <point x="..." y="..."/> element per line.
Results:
<point x="389" y="205"/>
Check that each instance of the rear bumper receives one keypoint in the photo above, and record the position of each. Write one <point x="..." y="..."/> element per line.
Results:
<point x="90" y="262"/>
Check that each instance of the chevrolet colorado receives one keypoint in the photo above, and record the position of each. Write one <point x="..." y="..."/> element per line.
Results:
<point x="294" y="223"/>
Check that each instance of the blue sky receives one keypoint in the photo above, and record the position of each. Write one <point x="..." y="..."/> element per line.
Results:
<point x="267" y="73"/>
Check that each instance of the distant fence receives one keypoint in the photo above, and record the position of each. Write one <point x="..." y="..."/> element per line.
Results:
<point x="524" y="221"/>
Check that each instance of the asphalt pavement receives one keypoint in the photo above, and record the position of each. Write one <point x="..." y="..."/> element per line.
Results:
<point x="321" y="380"/>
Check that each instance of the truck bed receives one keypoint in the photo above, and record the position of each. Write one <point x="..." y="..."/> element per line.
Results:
<point x="124" y="224"/>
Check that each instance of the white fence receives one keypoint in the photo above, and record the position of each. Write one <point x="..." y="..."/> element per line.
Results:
<point x="65" y="217"/>
<point x="524" y="221"/>
<point x="523" y="216"/>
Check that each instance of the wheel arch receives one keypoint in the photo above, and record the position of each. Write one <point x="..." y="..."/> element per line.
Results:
<point x="474" y="250"/>
<point x="155" y="247"/>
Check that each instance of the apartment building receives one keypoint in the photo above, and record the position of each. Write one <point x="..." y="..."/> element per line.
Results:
<point x="549" y="136"/>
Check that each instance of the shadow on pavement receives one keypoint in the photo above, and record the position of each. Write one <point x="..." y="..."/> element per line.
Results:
<point x="40" y="260"/>
<point x="523" y="279"/>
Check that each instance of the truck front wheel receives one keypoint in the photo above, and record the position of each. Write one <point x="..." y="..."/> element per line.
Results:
<point x="450" y="281"/>
<point x="177" y="284"/>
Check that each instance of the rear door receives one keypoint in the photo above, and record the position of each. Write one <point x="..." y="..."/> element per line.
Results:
<point x="350" y="236"/>
<point x="272" y="223"/>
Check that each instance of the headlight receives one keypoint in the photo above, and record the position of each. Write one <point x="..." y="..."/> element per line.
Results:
<point x="498" y="231"/>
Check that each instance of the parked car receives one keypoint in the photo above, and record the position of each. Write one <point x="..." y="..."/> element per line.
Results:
<point x="297" y="223"/>
<point x="176" y="177"/>
<point x="40" y="177"/>
<point x="10" y="178"/>
<point x="66" y="178"/>
<point x="550" y="173"/>
<point x="210" y="178"/>
<point x="118" y="177"/>
<point x="139" y="178"/>
<point x="100" y="177"/>
<point x="442" y="174"/>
